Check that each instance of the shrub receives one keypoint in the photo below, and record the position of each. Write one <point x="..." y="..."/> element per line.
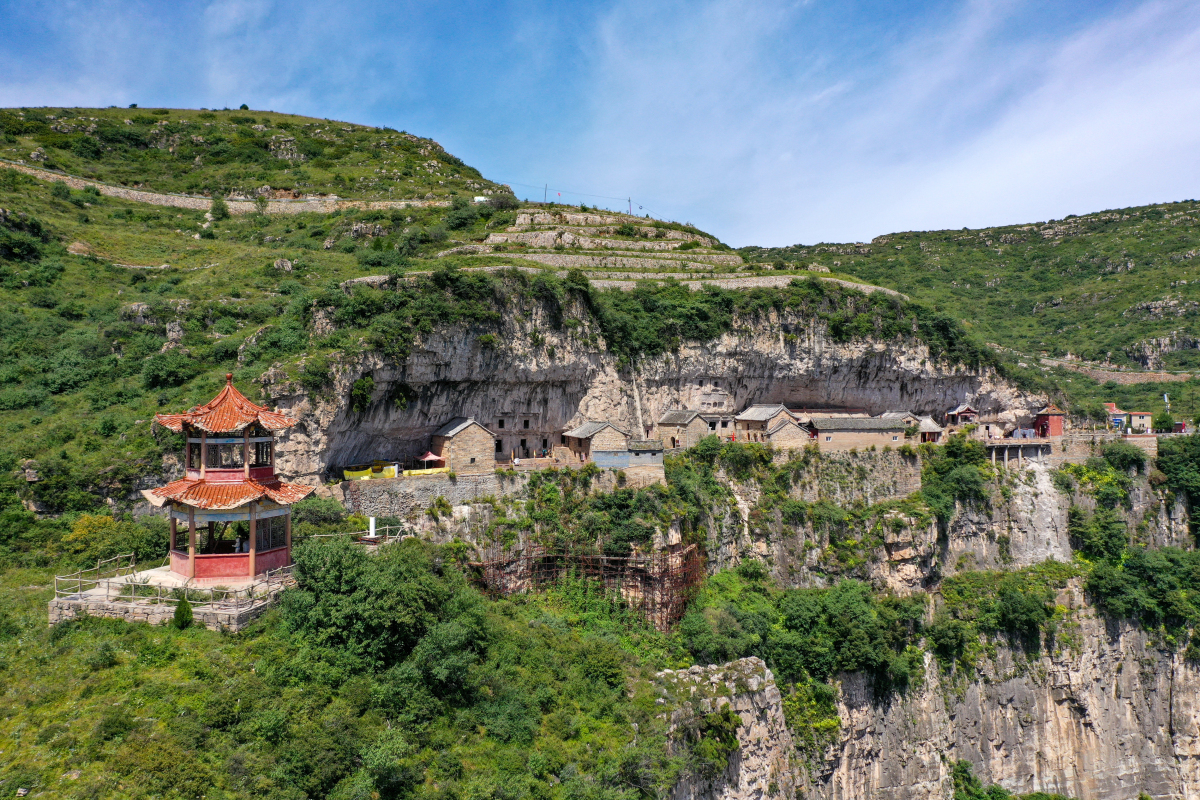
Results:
<point x="461" y="215"/>
<point x="503" y="202"/>
<point x="360" y="393"/>
<point x="60" y="191"/>
<point x="219" y="208"/>
<point x="171" y="368"/>
<point x="318" y="511"/>
<point x="315" y="374"/>
<point x="103" y="657"/>
<point x="1101" y="535"/>
<point x="182" y="618"/>
<point x="1124" y="456"/>
<point x="718" y="741"/>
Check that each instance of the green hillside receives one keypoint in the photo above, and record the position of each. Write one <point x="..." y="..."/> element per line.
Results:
<point x="387" y="675"/>
<point x="194" y="152"/>
<point x="113" y="310"/>
<point x="1095" y="285"/>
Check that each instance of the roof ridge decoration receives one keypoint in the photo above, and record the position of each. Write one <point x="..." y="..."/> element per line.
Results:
<point x="229" y="411"/>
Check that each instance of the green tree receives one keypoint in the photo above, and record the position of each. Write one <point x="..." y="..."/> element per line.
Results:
<point x="1163" y="422"/>
<point x="219" y="208"/>
<point x="183" y="614"/>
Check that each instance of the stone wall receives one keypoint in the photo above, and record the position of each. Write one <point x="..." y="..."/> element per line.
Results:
<point x="1078" y="446"/>
<point x="791" y="437"/>
<point x="869" y="477"/>
<point x="409" y="497"/>
<point x="323" y="205"/>
<point x="215" y="618"/>
<point x="472" y="451"/>
<point x="609" y="439"/>
<point x="857" y="440"/>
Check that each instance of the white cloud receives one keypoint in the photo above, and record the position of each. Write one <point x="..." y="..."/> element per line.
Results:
<point x="954" y="126"/>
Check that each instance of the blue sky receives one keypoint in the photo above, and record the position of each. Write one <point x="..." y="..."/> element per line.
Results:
<point x="765" y="123"/>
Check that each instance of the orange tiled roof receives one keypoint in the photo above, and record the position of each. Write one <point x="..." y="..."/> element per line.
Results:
<point x="228" y="411"/>
<point x="221" y="495"/>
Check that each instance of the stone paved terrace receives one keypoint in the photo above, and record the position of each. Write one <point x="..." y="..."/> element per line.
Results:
<point x="121" y="591"/>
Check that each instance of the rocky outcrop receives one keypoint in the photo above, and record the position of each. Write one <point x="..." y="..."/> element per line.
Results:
<point x="1149" y="352"/>
<point x="570" y="376"/>
<point x="765" y="763"/>
<point x="1104" y="714"/>
<point x="1024" y="523"/>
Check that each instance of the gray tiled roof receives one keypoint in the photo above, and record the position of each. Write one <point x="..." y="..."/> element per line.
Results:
<point x="858" y="424"/>
<point x="963" y="407"/>
<point x="927" y="425"/>
<point x="589" y="429"/>
<point x="652" y="445"/>
<point x="761" y="412"/>
<point x="897" y="415"/>
<point x="678" y="417"/>
<point x="456" y="425"/>
<point x="783" y="423"/>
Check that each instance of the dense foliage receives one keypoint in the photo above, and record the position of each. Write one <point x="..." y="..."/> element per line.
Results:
<point x="382" y="676"/>
<point x="656" y="318"/>
<point x="955" y="472"/>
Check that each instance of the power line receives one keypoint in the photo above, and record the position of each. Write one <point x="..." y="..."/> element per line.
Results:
<point x="567" y="191"/>
<point x="546" y="190"/>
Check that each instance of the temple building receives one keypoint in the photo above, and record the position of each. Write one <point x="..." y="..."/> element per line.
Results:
<point x="230" y="514"/>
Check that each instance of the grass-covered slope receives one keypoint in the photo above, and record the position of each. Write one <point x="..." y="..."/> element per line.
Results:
<point x="219" y="152"/>
<point x="1094" y="285"/>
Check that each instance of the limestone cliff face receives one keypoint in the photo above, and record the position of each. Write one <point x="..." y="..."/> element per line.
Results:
<point x="569" y="376"/>
<point x="1105" y="714"/>
<point x="1025" y="523"/>
<point x="765" y="763"/>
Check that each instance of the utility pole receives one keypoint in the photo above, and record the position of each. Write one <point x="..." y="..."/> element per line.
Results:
<point x="631" y="206"/>
<point x="545" y="193"/>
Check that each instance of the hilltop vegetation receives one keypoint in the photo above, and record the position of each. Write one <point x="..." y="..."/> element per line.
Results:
<point x="1085" y="285"/>
<point x="219" y="152"/>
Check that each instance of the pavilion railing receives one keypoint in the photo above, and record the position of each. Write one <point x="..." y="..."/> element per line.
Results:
<point x="86" y="579"/>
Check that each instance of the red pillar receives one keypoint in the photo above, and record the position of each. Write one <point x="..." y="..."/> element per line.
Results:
<point x="253" y="537"/>
<point x="191" y="570"/>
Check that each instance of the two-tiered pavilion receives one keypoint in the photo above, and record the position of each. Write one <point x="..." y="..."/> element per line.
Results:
<point x="230" y="481"/>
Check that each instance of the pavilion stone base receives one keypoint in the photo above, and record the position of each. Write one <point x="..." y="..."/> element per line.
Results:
<point x="213" y="618"/>
<point x="150" y="599"/>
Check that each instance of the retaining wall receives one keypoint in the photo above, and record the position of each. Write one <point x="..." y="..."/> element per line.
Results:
<point x="409" y="497"/>
<point x="320" y="205"/>
<point x="213" y="618"/>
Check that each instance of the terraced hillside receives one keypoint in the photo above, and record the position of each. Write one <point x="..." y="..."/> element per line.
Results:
<point x="618" y="250"/>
